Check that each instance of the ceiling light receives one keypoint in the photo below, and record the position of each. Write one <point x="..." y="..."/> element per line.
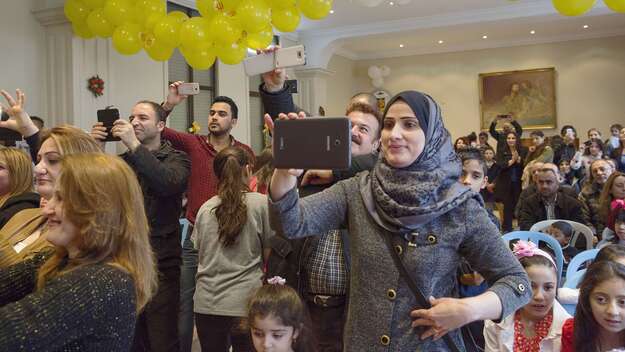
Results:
<point x="484" y="37"/>
<point x="440" y="42"/>
<point x="391" y="3"/>
<point x="586" y="26"/>
<point x="532" y="32"/>
<point x="331" y="11"/>
<point x="401" y="45"/>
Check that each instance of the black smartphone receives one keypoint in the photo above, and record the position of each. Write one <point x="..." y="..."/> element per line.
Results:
<point x="313" y="143"/>
<point x="108" y="117"/>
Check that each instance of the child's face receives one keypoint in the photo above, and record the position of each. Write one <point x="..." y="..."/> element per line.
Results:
<point x="558" y="235"/>
<point x="618" y="187"/>
<point x="565" y="167"/>
<point x="473" y="175"/>
<point x="544" y="285"/>
<point x="619" y="229"/>
<point x="489" y="155"/>
<point x="269" y="335"/>
<point x="594" y="134"/>
<point x="607" y="301"/>
<point x="615" y="132"/>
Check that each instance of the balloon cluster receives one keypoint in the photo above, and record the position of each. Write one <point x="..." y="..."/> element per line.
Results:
<point x="377" y="74"/>
<point x="224" y="29"/>
<point x="579" y="7"/>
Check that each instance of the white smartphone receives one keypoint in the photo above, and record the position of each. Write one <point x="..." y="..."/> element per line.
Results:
<point x="189" y="89"/>
<point x="281" y="58"/>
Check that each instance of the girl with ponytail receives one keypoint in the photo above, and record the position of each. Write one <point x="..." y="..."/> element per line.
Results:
<point x="231" y="230"/>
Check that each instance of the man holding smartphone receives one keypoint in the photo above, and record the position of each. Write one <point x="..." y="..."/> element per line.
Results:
<point x="162" y="172"/>
<point x="319" y="265"/>
<point x="222" y="118"/>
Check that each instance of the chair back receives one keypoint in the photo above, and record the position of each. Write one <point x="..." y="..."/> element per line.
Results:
<point x="184" y="228"/>
<point x="577" y="227"/>
<point x="572" y="281"/>
<point x="536" y="238"/>
<point x="579" y="260"/>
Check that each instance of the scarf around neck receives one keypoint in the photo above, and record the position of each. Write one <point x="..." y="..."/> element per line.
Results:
<point x="402" y="199"/>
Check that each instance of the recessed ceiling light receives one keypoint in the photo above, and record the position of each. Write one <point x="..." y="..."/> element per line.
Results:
<point x="391" y="3"/>
<point x="440" y="42"/>
<point x="586" y="26"/>
<point x="484" y="37"/>
<point x="532" y="32"/>
<point x="401" y="45"/>
<point x="331" y="11"/>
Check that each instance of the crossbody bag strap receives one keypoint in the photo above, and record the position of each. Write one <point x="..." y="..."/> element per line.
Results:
<point x="412" y="284"/>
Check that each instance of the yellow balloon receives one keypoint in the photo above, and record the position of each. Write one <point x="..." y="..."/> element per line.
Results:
<point x="151" y="20"/>
<point x="119" y="11"/>
<point x="259" y="40"/>
<point x="285" y="20"/>
<point x="616" y="5"/>
<point x="127" y="39"/>
<point x="201" y="59"/>
<point x="82" y="30"/>
<point x="194" y="33"/>
<point x="179" y="16"/>
<point x="98" y="24"/>
<point x="228" y="5"/>
<point x="147" y="8"/>
<point x="231" y="54"/>
<point x="281" y="4"/>
<point x="315" y="9"/>
<point x="253" y="15"/>
<point x="207" y="8"/>
<point x="167" y="30"/>
<point x="94" y="4"/>
<point x="156" y="50"/>
<point x="573" y="7"/>
<point x="75" y="10"/>
<point x="224" y="29"/>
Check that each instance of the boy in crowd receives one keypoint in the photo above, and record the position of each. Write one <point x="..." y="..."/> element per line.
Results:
<point x="562" y="232"/>
<point x="488" y="193"/>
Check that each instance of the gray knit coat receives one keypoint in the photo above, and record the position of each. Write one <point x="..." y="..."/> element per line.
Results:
<point x="377" y="320"/>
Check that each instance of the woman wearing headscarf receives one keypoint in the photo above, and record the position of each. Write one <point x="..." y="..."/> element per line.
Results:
<point x="412" y="196"/>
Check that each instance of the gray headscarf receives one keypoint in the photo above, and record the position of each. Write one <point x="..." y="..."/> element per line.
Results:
<point x="401" y="199"/>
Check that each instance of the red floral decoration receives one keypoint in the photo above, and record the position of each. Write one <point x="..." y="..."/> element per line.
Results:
<point x="95" y="85"/>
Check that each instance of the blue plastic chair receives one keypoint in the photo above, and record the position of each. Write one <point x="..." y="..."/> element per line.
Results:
<point x="184" y="223"/>
<point x="537" y="237"/>
<point x="572" y="280"/>
<point x="578" y="260"/>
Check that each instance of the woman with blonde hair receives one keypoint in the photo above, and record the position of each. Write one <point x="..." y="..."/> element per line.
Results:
<point x="85" y="295"/>
<point x="24" y="234"/>
<point x="16" y="184"/>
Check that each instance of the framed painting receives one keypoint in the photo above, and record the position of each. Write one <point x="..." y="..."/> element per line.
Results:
<point x="528" y="95"/>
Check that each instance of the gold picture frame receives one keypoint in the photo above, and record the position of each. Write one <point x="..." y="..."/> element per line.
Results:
<point x="528" y="95"/>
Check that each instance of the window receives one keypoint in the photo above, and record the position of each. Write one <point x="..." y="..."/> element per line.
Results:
<point x="196" y="108"/>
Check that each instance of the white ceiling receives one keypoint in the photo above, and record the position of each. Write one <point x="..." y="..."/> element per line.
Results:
<point x="360" y="32"/>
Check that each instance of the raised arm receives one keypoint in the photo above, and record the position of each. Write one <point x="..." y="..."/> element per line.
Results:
<point x="20" y="121"/>
<point x="493" y="130"/>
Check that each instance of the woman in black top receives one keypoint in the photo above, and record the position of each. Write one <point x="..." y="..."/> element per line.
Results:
<point x="85" y="294"/>
<point x="508" y="185"/>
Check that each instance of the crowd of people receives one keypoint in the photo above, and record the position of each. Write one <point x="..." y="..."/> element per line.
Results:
<point x="401" y="252"/>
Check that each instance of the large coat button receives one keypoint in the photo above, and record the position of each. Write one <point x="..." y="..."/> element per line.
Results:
<point x="385" y="340"/>
<point x="391" y="294"/>
<point x="399" y="249"/>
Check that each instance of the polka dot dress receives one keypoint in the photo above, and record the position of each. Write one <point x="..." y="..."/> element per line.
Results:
<point x="523" y="343"/>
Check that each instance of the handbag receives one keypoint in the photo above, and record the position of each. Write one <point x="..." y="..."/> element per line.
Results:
<point x="469" y="342"/>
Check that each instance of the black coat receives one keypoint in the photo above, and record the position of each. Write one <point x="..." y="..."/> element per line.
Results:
<point x="501" y="137"/>
<point x="509" y="178"/>
<point x="163" y="178"/>
<point x="532" y="210"/>
<point x="16" y="204"/>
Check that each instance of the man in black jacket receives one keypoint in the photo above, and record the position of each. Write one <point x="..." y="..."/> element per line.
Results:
<point x="162" y="172"/>
<point x="548" y="202"/>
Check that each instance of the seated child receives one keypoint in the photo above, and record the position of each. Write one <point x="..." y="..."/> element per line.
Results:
<point x="562" y="231"/>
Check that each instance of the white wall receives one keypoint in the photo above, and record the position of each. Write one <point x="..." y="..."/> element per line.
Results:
<point x="590" y="81"/>
<point x="22" y="53"/>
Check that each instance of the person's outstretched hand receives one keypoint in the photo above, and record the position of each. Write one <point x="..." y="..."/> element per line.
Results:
<point x="173" y="97"/>
<point x="19" y="120"/>
<point x="445" y="315"/>
<point x="269" y="123"/>
<point x="274" y="80"/>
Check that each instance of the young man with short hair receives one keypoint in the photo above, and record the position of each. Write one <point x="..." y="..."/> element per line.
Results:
<point x="162" y="172"/>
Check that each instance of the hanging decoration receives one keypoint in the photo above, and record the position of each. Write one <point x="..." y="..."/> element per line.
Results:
<point x="225" y="29"/>
<point x="95" y="85"/>
<point x="377" y="74"/>
<point x="580" y="7"/>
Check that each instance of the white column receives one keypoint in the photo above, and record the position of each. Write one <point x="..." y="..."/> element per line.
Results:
<point x="312" y="88"/>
